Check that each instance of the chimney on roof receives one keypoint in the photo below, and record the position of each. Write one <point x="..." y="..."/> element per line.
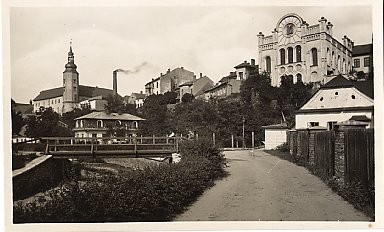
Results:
<point x="161" y="74"/>
<point x="182" y="67"/>
<point x="114" y="80"/>
<point x="169" y="70"/>
<point x="141" y="92"/>
<point x="201" y="75"/>
<point x="253" y="62"/>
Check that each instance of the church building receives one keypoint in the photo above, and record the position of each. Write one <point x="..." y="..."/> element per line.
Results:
<point x="304" y="52"/>
<point x="72" y="95"/>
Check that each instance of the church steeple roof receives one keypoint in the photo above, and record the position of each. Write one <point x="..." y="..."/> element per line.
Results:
<point x="70" y="66"/>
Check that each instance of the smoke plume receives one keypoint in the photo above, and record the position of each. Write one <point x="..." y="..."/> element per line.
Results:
<point x="135" y="69"/>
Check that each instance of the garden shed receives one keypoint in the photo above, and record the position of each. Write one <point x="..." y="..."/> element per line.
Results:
<point x="275" y="135"/>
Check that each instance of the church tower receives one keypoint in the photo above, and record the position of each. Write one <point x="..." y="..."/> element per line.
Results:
<point x="70" y="84"/>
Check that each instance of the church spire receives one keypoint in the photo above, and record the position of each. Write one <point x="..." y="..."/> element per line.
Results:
<point x="70" y="66"/>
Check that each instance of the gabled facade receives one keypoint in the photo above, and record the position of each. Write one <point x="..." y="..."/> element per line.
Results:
<point x="337" y="101"/>
<point x="305" y="52"/>
<point x="169" y="81"/>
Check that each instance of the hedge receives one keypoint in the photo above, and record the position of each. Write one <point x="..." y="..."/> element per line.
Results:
<point x="157" y="193"/>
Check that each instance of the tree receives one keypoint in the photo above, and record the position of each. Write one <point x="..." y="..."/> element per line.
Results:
<point x="45" y="123"/>
<point x="187" y="97"/>
<point x="17" y="119"/>
<point x="114" y="104"/>
<point x="155" y="111"/>
<point x="69" y="117"/>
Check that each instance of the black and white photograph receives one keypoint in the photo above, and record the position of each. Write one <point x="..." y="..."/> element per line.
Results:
<point x="211" y="115"/>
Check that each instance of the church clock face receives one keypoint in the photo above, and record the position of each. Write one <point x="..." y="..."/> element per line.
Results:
<point x="289" y="30"/>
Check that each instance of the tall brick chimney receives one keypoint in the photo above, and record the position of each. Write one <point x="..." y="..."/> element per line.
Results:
<point x="114" y="83"/>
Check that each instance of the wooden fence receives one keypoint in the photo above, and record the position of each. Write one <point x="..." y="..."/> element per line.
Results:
<point x="316" y="149"/>
<point x="359" y="156"/>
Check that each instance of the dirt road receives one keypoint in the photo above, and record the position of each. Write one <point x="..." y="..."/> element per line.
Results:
<point x="264" y="187"/>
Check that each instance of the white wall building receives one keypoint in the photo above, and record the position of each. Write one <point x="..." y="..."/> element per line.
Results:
<point x="275" y="135"/>
<point x="305" y="53"/>
<point x="337" y="101"/>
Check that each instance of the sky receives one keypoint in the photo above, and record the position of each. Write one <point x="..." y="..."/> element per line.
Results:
<point x="150" y="39"/>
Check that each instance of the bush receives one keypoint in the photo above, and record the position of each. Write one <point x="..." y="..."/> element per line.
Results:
<point x="283" y="147"/>
<point x="157" y="193"/>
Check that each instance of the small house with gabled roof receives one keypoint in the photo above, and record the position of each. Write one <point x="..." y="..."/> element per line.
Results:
<point x="337" y="101"/>
<point x="101" y="124"/>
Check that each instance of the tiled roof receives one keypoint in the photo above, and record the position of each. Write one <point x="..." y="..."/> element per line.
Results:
<point x="50" y="93"/>
<point x="84" y="91"/>
<point x="339" y="81"/>
<point x="276" y="126"/>
<point x="361" y="118"/>
<point x="359" y="50"/>
<point x="245" y="64"/>
<point x="23" y="108"/>
<point x="188" y="83"/>
<point x="231" y="75"/>
<point x="112" y="116"/>
<point x="139" y="95"/>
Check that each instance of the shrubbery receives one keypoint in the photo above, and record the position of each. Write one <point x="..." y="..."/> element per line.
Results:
<point x="157" y="193"/>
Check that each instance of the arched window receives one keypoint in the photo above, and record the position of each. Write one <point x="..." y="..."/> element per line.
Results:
<point x="282" y="56"/>
<point x="314" y="56"/>
<point x="290" y="55"/>
<point x="298" y="53"/>
<point x="333" y="61"/>
<point x="99" y="123"/>
<point x="268" y="64"/>
<point x="343" y="67"/>
<point x="349" y="66"/>
<point x="117" y="123"/>
<point x="328" y="57"/>
<point x="338" y="65"/>
<point x="81" y="123"/>
<point x="135" y="125"/>
<point x="299" y="77"/>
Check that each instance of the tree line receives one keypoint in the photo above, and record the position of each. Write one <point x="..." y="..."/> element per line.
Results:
<point x="258" y="104"/>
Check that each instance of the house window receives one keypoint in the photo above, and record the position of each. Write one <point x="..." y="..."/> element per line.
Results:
<point x="298" y="53"/>
<point x="314" y="56"/>
<point x="157" y="84"/>
<point x="134" y="125"/>
<point x="99" y="123"/>
<point x="241" y="75"/>
<point x="366" y="62"/>
<point x="58" y="100"/>
<point x="290" y="55"/>
<point x="118" y="123"/>
<point x="268" y="64"/>
<point x="74" y="81"/>
<point x="81" y="123"/>
<point x="331" y="125"/>
<point x="312" y="124"/>
<point x="282" y="56"/>
<point x="356" y="63"/>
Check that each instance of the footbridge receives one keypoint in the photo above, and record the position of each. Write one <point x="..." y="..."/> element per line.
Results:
<point x="127" y="147"/>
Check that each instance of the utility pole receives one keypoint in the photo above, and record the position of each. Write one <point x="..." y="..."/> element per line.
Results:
<point x="243" y="132"/>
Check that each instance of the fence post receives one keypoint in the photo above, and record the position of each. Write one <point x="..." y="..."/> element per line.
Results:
<point x="233" y="141"/>
<point x="253" y="139"/>
<point x="214" y="139"/>
<point x="197" y="136"/>
<point x="153" y="139"/>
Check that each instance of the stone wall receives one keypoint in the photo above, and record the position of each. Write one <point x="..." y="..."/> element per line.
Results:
<point x="339" y="155"/>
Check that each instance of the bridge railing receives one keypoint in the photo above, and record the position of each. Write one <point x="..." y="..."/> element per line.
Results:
<point x="73" y="146"/>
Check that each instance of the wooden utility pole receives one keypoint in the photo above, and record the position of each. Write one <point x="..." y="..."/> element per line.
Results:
<point x="243" y="132"/>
